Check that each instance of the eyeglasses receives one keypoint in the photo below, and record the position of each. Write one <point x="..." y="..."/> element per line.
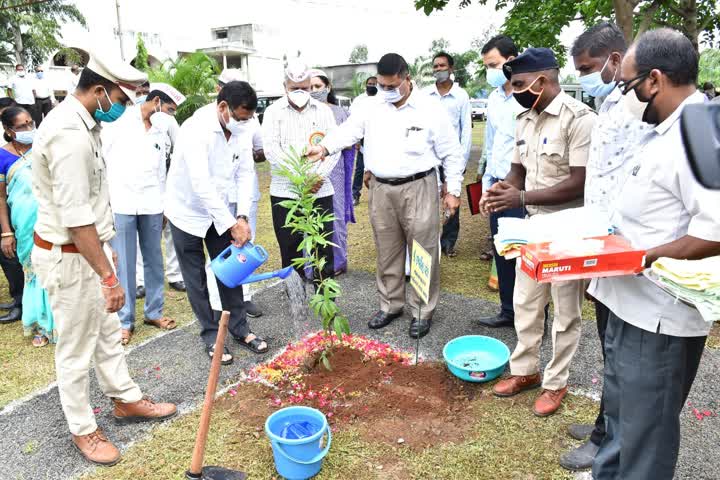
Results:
<point x="631" y="84"/>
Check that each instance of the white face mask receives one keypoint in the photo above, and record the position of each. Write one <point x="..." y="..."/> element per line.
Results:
<point x="299" y="98"/>
<point x="391" y="96"/>
<point x="161" y="121"/>
<point x="234" y="126"/>
<point x="21" y="73"/>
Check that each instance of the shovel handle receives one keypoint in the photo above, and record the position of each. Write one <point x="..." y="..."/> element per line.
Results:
<point x="201" y="438"/>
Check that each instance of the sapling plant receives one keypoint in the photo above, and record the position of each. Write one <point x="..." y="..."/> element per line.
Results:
<point x="308" y="219"/>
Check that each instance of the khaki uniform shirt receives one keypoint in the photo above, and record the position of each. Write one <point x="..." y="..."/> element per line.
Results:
<point x="548" y="143"/>
<point x="69" y="180"/>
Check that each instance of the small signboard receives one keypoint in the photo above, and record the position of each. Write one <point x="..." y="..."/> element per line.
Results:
<point x="420" y="267"/>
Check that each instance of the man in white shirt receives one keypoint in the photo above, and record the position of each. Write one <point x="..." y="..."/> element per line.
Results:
<point x="407" y="136"/>
<point x="136" y="148"/>
<point x="653" y="342"/>
<point x="597" y="55"/>
<point x="21" y="89"/>
<point x="457" y="103"/>
<point x="44" y="95"/>
<point x="209" y="192"/>
<point x="289" y="123"/>
<point x="370" y="93"/>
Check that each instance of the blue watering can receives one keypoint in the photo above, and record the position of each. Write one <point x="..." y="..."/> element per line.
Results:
<point x="234" y="266"/>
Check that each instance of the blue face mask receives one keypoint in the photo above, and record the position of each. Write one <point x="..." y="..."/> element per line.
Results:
<point x="141" y="99"/>
<point x="40" y="75"/>
<point x="593" y="83"/>
<point x="26" y="138"/>
<point x="115" y="112"/>
<point x="496" y="77"/>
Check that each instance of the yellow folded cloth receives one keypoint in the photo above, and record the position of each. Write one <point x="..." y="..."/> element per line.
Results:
<point x="693" y="274"/>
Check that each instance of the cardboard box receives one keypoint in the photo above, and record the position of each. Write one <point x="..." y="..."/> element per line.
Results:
<point x="615" y="257"/>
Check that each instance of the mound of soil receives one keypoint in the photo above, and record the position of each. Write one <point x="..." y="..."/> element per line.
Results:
<point x="415" y="405"/>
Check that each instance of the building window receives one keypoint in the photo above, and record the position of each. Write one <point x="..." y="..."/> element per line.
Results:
<point x="221" y="34"/>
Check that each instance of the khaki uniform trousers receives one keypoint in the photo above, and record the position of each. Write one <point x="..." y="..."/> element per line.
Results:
<point x="530" y="298"/>
<point x="400" y="214"/>
<point x="86" y="334"/>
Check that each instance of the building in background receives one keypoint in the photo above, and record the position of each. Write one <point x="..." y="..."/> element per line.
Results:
<point x="348" y="79"/>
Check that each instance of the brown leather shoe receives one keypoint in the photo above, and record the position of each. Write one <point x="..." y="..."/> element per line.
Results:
<point x="143" y="410"/>
<point x="549" y="401"/>
<point x="96" y="448"/>
<point x="515" y="384"/>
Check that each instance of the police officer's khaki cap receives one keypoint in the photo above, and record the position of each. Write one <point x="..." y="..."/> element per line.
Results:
<point x="230" y="75"/>
<point x="122" y="74"/>
<point x="172" y="92"/>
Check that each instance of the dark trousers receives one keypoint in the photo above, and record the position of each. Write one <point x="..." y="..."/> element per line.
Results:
<point x="289" y="242"/>
<point x="647" y="380"/>
<point x="358" y="176"/>
<point x="14" y="273"/>
<point x="505" y="268"/>
<point x="450" y="231"/>
<point x="190" y="252"/>
<point x="42" y="108"/>
<point x="601" y="314"/>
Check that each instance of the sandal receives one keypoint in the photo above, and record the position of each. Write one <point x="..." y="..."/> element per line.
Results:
<point x="126" y="335"/>
<point x="39" y="341"/>
<point x="254" y="344"/>
<point x="487" y="256"/>
<point x="227" y="357"/>
<point x="163" y="323"/>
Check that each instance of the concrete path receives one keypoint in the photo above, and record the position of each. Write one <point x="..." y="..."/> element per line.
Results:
<point x="34" y="442"/>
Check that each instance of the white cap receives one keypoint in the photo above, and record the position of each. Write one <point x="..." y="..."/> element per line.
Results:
<point x="231" y="75"/>
<point x="297" y="71"/>
<point x="172" y="92"/>
<point x="122" y="74"/>
<point x="316" y="72"/>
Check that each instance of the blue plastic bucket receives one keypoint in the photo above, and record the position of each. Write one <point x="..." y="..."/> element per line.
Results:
<point x="298" y="459"/>
<point x="476" y="358"/>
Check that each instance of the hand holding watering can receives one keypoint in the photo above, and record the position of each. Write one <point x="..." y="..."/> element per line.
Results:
<point x="234" y="265"/>
<point x="241" y="232"/>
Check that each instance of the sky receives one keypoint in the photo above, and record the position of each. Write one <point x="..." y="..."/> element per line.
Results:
<point x="325" y="31"/>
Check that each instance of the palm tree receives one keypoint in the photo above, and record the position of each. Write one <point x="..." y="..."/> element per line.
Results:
<point x="195" y="76"/>
<point x="421" y="71"/>
<point x="357" y="84"/>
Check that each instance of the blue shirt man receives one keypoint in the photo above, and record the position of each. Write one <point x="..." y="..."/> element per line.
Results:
<point x="498" y="153"/>
<point x="457" y="103"/>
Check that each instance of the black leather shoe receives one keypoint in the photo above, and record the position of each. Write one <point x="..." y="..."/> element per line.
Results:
<point x="12" y="316"/>
<point x="497" y="321"/>
<point x="383" y="319"/>
<point x="8" y="306"/>
<point x="140" y="292"/>
<point x="178" y="286"/>
<point x="580" y="458"/>
<point x="580" y="431"/>
<point x="420" y="328"/>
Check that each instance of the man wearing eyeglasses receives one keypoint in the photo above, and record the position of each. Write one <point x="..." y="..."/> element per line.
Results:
<point x="136" y="149"/>
<point x="597" y="55"/>
<point x="653" y="342"/>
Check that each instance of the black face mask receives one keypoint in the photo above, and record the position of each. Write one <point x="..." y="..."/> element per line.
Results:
<point x="527" y="98"/>
<point x="650" y="115"/>
<point x="371" y="90"/>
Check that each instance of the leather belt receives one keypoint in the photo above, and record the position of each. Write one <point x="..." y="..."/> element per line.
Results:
<point x="45" y="245"/>
<point x="402" y="181"/>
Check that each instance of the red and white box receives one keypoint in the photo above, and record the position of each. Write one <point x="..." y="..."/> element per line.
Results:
<point x="559" y="261"/>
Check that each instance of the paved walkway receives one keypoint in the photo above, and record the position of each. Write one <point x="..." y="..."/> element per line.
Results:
<point x="35" y="443"/>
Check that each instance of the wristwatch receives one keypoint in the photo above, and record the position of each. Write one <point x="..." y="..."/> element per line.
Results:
<point x="244" y="217"/>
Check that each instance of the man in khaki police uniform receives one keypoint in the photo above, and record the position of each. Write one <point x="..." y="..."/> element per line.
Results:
<point x="547" y="175"/>
<point x="72" y="255"/>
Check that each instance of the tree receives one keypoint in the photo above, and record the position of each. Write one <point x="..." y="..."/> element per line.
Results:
<point x="710" y="67"/>
<point x="357" y="84"/>
<point x="439" y="45"/>
<point x="195" y="76"/>
<point x="141" y="57"/>
<point x="539" y="22"/>
<point x="359" y="54"/>
<point x="31" y="32"/>
<point x="421" y="71"/>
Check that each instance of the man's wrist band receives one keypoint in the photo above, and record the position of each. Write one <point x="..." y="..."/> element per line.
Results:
<point x="7" y="234"/>
<point x="522" y="198"/>
<point x="110" y="281"/>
